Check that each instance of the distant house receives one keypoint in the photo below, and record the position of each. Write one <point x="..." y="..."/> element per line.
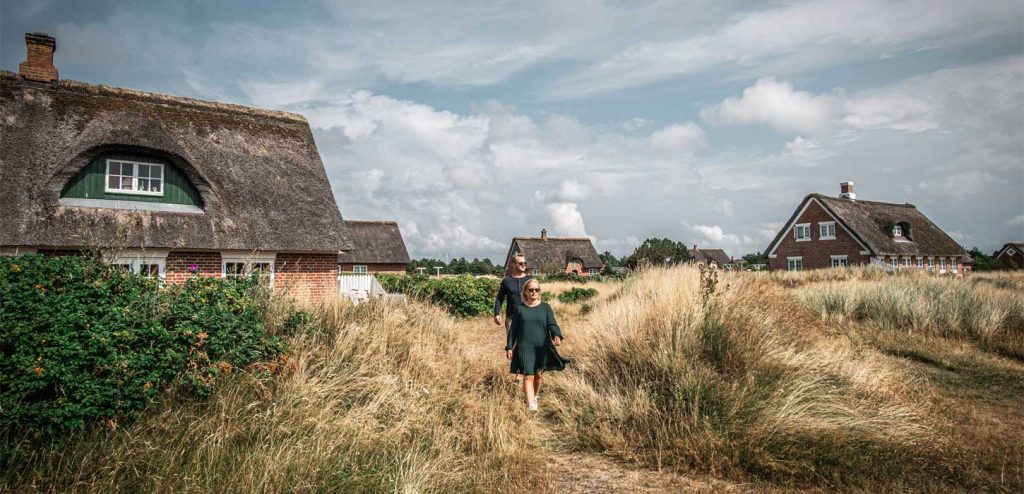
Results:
<point x="377" y="248"/>
<point x="1011" y="255"/>
<point x="839" y="231"/>
<point x="164" y="186"/>
<point x="550" y="255"/>
<point x="717" y="256"/>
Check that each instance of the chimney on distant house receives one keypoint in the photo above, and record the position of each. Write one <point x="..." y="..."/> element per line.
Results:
<point x="543" y="233"/>
<point x="38" y="65"/>
<point x="695" y="247"/>
<point x="846" y="191"/>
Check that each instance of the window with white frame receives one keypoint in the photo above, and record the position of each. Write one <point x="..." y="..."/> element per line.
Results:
<point x="802" y="232"/>
<point x="827" y="230"/>
<point x="795" y="263"/>
<point x="897" y="231"/>
<point x="906" y="262"/>
<point x="952" y="265"/>
<point x="359" y="269"/>
<point x="931" y="263"/>
<point x="134" y="177"/>
<point x="148" y="264"/>
<point x="920" y="262"/>
<point x="894" y="262"/>
<point x="237" y="267"/>
<point x="536" y="272"/>
<point x="942" y="264"/>
<point x="840" y="261"/>
<point x="593" y="271"/>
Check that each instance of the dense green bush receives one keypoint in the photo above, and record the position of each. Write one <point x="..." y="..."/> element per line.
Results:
<point x="82" y="341"/>
<point x="575" y="295"/>
<point x="461" y="295"/>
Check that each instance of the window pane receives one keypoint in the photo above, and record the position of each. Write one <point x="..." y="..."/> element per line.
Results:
<point x="234" y="268"/>
<point x="155" y="185"/>
<point x="126" y="169"/>
<point x="144" y="170"/>
<point x="113" y="182"/>
<point x="144" y="184"/>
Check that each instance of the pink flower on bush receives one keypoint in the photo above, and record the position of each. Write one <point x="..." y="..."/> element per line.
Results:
<point x="192" y="268"/>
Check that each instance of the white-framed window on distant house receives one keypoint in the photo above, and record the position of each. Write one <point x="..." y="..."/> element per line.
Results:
<point x="359" y="269"/>
<point x="535" y="272"/>
<point x="241" y="266"/>
<point x="151" y="264"/>
<point x="802" y="232"/>
<point x="920" y="262"/>
<point x="906" y="262"/>
<point x="593" y="271"/>
<point x="827" y="230"/>
<point x="942" y="264"/>
<point x="840" y="261"/>
<point x="931" y="264"/>
<point x="952" y="265"/>
<point x="134" y="177"/>
<point x="897" y="231"/>
<point x="894" y="262"/>
<point x="795" y="263"/>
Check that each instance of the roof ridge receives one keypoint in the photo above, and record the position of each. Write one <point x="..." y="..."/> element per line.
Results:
<point x="104" y="90"/>
<point x="552" y="238"/>
<point x="864" y="201"/>
<point x="375" y="222"/>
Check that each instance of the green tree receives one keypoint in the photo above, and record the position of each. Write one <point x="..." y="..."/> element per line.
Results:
<point x="982" y="262"/>
<point x="757" y="258"/>
<point x="658" y="252"/>
<point x="426" y="263"/>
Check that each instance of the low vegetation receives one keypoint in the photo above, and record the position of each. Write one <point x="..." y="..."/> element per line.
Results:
<point x="763" y="380"/>
<point x="462" y="295"/>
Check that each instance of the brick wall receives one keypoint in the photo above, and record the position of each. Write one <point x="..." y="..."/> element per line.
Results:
<point x="1016" y="260"/>
<point x="178" y="263"/>
<point x="396" y="268"/>
<point x="308" y="277"/>
<point x="816" y="252"/>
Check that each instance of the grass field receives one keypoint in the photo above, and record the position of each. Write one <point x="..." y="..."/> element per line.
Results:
<point x="847" y="379"/>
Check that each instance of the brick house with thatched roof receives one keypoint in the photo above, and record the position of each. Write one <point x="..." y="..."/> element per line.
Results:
<point x="165" y="186"/>
<point x="717" y="256"/>
<point x="829" y="231"/>
<point x="1011" y="255"/>
<point x="377" y="248"/>
<point x="550" y="255"/>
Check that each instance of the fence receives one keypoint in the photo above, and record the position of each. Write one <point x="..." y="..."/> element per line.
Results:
<point x="359" y="287"/>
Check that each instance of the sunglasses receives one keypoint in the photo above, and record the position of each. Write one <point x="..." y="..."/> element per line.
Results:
<point x="520" y="264"/>
<point x="532" y="290"/>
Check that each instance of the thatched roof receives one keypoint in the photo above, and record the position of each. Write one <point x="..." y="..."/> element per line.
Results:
<point x="553" y="251"/>
<point x="375" y="242"/>
<point x="704" y="255"/>
<point x="871" y="223"/>
<point x="258" y="172"/>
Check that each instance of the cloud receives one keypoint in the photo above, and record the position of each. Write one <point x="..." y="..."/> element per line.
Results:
<point x="566" y="219"/>
<point x="777" y="104"/>
<point x="1015" y="221"/>
<point x="676" y="140"/>
<point x="635" y="124"/>
<point x="714" y="236"/>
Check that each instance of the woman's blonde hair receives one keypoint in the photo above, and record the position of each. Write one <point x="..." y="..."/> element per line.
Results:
<point x="522" y="294"/>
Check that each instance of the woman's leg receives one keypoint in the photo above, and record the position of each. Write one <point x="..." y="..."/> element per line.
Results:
<point x="536" y="383"/>
<point x="528" y="388"/>
<point x="508" y="324"/>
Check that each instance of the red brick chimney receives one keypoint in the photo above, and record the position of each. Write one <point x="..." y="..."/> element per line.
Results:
<point x="846" y="191"/>
<point x="543" y="233"/>
<point x="38" y="64"/>
<point x="695" y="247"/>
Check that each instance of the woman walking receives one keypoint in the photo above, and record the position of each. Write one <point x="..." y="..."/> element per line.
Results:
<point x="532" y="340"/>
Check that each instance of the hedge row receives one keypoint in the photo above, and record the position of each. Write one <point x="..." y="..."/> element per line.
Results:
<point x="81" y="341"/>
<point x="462" y="295"/>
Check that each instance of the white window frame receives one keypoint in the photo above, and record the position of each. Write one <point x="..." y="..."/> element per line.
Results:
<point x="953" y="265"/>
<point x="535" y="272"/>
<point x="795" y="263"/>
<point x="823" y="234"/>
<point x="894" y="262"/>
<point x="799" y="227"/>
<point x="942" y="264"/>
<point x="360" y="269"/>
<point x="1010" y="251"/>
<point x="906" y="262"/>
<point x="248" y="259"/>
<point x="897" y="231"/>
<point x="919" y="262"/>
<point x="593" y="271"/>
<point x="134" y="177"/>
<point x="839" y="260"/>
<point x="135" y="259"/>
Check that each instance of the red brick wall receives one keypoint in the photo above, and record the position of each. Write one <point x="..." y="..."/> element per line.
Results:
<point x="816" y="252"/>
<point x="346" y="267"/>
<point x="1016" y="260"/>
<point x="178" y="263"/>
<point x="310" y="277"/>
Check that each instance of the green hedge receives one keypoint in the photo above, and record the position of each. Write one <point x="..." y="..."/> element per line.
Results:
<point x="462" y="295"/>
<point x="81" y="341"/>
<point x="574" y="295"/>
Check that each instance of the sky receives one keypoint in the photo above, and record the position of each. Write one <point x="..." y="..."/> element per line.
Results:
<point x="702" y="121"/>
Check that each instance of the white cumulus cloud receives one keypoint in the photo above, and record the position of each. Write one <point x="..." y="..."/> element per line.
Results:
<point x="777" y="104"/>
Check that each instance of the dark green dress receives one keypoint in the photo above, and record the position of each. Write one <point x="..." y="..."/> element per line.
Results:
<point x="530" y="337"/>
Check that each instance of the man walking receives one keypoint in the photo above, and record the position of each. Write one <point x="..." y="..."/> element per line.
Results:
<point x="511" y="290"/>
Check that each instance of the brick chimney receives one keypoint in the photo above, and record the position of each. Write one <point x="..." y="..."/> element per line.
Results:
<point x="694" y="246"/>
<point x="846" y="191"/>
<point x="38" y="64"/>
<point x="543" y="233"/>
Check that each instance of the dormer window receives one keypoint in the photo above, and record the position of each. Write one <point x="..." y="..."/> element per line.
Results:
<point x="134" y="177"/>
<point x="897" y="231"/>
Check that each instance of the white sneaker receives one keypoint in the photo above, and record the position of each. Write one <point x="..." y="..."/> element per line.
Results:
<point x="533" y="405"/>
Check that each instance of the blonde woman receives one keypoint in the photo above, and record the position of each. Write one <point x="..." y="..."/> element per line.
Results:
<point x="532" y="340"/>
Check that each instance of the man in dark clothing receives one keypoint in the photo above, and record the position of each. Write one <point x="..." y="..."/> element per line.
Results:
<point x="511" y="290"/>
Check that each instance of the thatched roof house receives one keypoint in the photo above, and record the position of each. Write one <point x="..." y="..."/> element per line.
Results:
<point x="829" y="231"/>
<point x="549" y="255"/>
<point x="208" y="184"/>
<point x="717" y="256"/>
<point x="377" y="247"/>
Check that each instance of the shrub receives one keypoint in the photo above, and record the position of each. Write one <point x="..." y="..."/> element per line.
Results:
<point x="575" y="295"/>
<point x="462" y="295"/>
<point x="570" y="277"/>
<point x="83" y="341"/>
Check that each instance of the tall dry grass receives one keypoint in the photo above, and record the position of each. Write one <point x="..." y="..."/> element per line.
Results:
<point x="981" y="312"/>
<point x="736" y="379"/>
<point x="378" y="397"/>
